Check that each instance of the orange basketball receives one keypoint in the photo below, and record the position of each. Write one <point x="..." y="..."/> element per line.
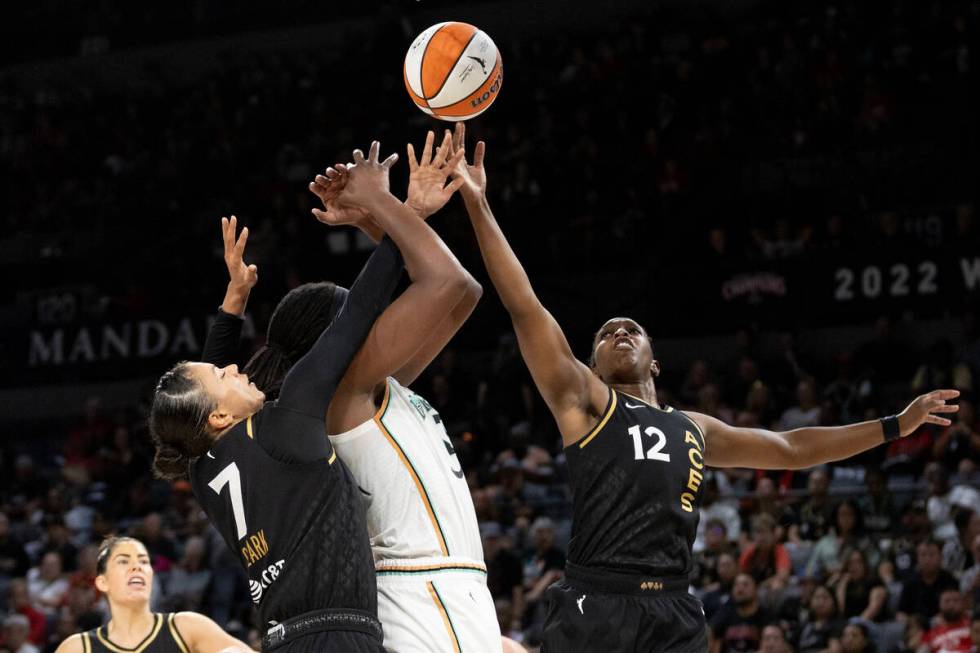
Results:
<point x="453" y="71"/>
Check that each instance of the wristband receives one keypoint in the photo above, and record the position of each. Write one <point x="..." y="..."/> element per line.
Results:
<point x="891" y="428"/>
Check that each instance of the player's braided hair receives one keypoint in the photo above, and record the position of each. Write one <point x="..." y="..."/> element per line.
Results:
<point x="294" y="327"/>
<point x="179" y="422"/>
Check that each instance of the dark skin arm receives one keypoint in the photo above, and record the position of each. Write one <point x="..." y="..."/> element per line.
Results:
<point x="575" y="396"/>
<point x="427" y="193"/>
<point x="729" y="446"/>
<point x="439" y="283"/>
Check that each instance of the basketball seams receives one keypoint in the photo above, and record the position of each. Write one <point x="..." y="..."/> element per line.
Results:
<point x="449" y="71"/>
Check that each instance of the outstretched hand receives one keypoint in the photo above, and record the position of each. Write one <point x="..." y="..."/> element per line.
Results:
<point x="922" y="411"/>
<point x="328" y="187"/>
<point x="367" y="179"/>
<point x="242" y="277"/>
<point x="474" y="175"/>
<point x="427" y="189"/>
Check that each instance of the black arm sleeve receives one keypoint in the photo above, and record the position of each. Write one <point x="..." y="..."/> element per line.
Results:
<point x="223" y="339"/>
<point x="310" y="384"/>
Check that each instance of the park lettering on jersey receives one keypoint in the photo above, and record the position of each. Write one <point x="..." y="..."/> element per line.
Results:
<point x="255" y="548"/>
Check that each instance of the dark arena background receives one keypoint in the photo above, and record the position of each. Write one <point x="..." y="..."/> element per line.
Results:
<point x="783" y="193"/>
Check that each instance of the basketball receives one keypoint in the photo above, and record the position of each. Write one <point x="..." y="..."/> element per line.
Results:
<point x="453" y="71"/>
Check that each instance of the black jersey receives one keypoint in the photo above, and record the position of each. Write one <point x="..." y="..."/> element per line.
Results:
<point x="636" y="490"/>
<point x="163" y="638"/>
<point x="273" y="486"/>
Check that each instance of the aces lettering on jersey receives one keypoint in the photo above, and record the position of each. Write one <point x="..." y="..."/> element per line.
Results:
<point x="695" y="475"/>
<point x="695" y="457"/>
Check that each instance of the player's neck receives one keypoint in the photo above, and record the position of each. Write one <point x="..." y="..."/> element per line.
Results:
<point x="130" y="624"/>
<point x="644" y="390"/>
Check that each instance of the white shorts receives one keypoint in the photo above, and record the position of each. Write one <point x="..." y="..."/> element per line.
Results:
<point x="448" y="609"/>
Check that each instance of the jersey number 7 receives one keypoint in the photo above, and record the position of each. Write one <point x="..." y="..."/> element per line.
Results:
<point x="233" y="479"/>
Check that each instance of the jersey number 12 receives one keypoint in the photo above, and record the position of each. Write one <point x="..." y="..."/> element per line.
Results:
<point x="233" y="479"/>
<point x="653" y="453"/>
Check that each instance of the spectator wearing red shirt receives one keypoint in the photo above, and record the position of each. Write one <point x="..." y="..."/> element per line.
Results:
<point x="951" y="634"/>
<point x="765" y="559"/>
<point x="20" y="603"/>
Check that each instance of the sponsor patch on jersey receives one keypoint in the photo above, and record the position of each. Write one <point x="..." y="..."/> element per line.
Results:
<point x="268" y="577"/>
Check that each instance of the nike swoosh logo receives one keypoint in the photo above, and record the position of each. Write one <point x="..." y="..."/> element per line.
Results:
<point x="211" y="456"/>
<point x="363" y="491"/>
<point x="458" y="473"/>
<point x="629" y="405"/>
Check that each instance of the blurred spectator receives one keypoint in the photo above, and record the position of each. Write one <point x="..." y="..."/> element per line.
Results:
<point x="546" y="562"/>
<point x="505" y="576"/>
<point x="859" y="592"/>
<point x="920" y="595"/>
<point x="46" y="584"/>
<point x="958" y="551"/>
<point x="738" y="625"/>
<point x="857" y="638"/>
<point x="970" y="579"/>
<point x="19" y="602"/>
<point x="765" y="559"/>
<point x="13" y="558"/>
<point x="806" y="412"/>
<point x="961" y="441"/>
<point x="15" y="630"/>
<point x="713" y="508"/>
<point x="951" y="632"/>
<point x="160" y="545"/>
<point x="876" y="503"/>
<point x="719" y="593"/>
<point x="813" y="515"/>
<point x="186" y="584"/>
<point x="774" y="640"/>
<point x="941" y="371"/>
<point x="831" y="550"/>
<point x="716" y="542"/>
<point x="57" y="539"/>
<point x="822" y="629"/>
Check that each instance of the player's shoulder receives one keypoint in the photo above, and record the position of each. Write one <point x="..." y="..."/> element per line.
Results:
<point x="74" y="644"/>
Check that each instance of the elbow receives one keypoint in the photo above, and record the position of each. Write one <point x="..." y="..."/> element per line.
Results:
<point x="455" y="286"/>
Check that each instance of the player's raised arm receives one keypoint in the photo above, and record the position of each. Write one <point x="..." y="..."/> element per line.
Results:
<point x="427" y="193"/>
<point x="573" y="393"/>
<point x="439" y="284"/>
<point x="202" y="635"/>
<point x="728" y="446"/>
<point x="226" y="330"/>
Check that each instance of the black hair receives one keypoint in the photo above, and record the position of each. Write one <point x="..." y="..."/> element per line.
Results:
<point x="106" y="548"/>
<point x="179" y="422"/>
<point x="962" y="519"/>
<point x="294" y="327"/>
<point x="858" y="529"/>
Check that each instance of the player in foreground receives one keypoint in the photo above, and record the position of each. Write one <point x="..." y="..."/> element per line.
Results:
<point x="266" y="474"/>
<point x="125" y="576"/>
<point x="636" y="466"/>
<point x="423" y="528"/>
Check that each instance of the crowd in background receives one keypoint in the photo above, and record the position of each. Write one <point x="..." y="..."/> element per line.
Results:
<point x="885" y="547"/>
<point x="787" y="133"/>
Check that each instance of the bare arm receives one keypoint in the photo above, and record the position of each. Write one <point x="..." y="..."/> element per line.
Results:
<point x="427" y="193"/>
<point x="439" y="283"/>
<point x="876" y="601"/>
<point x="728" y="446"/>
<point x="572" y="392"/>
<point x="204" y="636"/>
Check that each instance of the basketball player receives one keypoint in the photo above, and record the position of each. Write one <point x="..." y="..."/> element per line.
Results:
<point x="424" y="534"/>
<point x="125" y="576"/>
<point x="265" y="474"/>
<point x="637" y="465"/>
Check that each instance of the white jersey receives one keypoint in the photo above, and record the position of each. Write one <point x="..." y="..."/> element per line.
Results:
<point x="417" y="498"/>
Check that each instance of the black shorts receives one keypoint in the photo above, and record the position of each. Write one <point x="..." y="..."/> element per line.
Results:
<point x="584" y="619"/>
